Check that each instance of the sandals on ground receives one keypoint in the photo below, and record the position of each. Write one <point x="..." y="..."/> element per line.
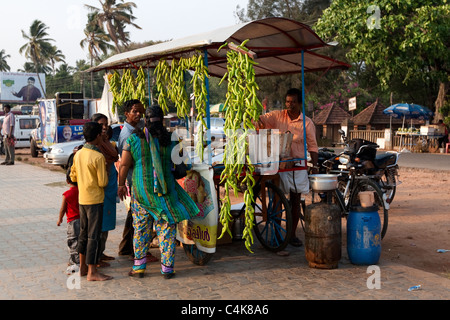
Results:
<point x="168" y="275"/>
<point x="136" y="273"/>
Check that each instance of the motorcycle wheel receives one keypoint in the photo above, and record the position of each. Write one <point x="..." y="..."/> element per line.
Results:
<point x="370" y="185"/>
<point x="388" y="184"/>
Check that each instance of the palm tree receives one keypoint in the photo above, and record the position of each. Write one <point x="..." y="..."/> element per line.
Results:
<point x="81" y="65"/>
<point x="64" y="70"/>
<point x="37" y="47"/>
<point x="96" y="39"/>
<point x="3" y="64"/>
<point x="30" y="67"/>
<point x="54" y="56"/>
<point x="116" y="16"/>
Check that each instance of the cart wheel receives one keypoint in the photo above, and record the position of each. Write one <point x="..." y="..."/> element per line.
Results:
<point x="197" y="256"/>
<point x="275" y="232"/>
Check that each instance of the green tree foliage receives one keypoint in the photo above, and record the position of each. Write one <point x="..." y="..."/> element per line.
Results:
<point x="405" y="41"/>
<point x="116" y="17"/>
<point x="3" y="63"/>
<point x="260" y="9"/>
<point x="274" y="88"/>
<point x="96" y="40"/>
<point x="30" y="67"/>
<point x="73" y="79"/>
<point x="38" y="46"/>
<point x="55" y="55"/>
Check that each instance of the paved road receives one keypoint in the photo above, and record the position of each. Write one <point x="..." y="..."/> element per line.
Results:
<point x="434" y="161"/>
<point x="33" y="259"/>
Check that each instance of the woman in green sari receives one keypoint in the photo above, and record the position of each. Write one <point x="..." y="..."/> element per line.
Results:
<point x="155" y="194"/>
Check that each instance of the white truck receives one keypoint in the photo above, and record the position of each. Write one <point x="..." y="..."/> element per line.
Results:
<point x="23" y="126"/>
<point x="61" y="120"/>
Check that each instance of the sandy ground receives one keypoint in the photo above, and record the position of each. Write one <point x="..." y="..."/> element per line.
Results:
<point x="419" y="221"/>
<point x="419" y="218"/>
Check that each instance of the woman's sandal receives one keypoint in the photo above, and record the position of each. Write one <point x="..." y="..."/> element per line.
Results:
<point x="136" y="273"/>
<point x="168" y="275"/>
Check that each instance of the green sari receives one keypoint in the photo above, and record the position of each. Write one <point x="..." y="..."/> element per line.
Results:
<point x="153" y="184"/>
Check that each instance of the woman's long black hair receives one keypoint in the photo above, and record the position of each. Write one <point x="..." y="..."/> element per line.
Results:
<point x="156" y="127"/>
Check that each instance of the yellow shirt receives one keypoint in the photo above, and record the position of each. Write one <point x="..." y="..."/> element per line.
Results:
<point x="89" y="171"/>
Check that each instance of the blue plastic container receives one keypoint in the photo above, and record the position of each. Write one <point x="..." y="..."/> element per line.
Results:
<point x="364" y="235"/>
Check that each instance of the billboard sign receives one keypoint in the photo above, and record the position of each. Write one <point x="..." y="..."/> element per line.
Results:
<point x="352" y="104"/>
<point x="69" y="133"/>
<point x="16" y="87"/>
<point x="51" y="130"/>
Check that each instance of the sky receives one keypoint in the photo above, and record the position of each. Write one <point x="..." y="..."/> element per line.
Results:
<point x="159" y="20"/>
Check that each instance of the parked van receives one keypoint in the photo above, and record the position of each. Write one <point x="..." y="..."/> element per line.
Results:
<point x="22" y="128"/>
<point x="61" y="120"/>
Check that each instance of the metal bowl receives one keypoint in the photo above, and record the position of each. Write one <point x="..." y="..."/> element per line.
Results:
<point x="323" y="182"/>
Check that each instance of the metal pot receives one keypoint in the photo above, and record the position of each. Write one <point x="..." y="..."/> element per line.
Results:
<point x="323" y="182"/>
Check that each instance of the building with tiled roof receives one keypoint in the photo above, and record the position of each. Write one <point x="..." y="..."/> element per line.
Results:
<point x="373" y="118"/>
<point x="328" y="122"/>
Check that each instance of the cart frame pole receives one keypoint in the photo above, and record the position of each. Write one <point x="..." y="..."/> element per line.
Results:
<point x="303" y="105"/>
<point x="208" y="111"/>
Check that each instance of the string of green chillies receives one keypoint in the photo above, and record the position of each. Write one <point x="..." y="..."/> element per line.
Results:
<point x="242" y="111"/>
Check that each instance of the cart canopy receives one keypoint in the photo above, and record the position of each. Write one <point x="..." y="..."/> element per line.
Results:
<point x="277" y="43"/>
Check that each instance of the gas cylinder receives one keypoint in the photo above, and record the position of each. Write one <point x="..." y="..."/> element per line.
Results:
<point x="323" y="240"/>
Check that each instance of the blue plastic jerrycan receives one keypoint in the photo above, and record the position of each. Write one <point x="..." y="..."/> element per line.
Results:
<point x="364" y="235"/>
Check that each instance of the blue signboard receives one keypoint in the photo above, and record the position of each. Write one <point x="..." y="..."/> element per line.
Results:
<point x="69" y="133"/>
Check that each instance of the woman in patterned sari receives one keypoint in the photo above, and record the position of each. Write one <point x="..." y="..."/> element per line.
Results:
<point x="155" y="195"/>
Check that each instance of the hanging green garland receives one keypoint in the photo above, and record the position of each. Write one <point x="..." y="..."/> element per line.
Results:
<point x="243" y="109"/>
<point x="127" y="87"/>
<point x="199" y="80"/>
<point x="162" y="71"/>
<point x="170" y="83"/>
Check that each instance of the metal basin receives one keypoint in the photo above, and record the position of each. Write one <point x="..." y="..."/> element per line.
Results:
<point x="323" y="182"/>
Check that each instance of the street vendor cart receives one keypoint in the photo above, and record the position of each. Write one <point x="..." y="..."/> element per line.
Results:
<point x="274" y="46"/>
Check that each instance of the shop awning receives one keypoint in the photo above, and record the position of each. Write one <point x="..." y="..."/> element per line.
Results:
<point x="277" y="42"/>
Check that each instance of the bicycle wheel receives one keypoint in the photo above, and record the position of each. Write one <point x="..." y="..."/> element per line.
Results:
<point x="370" y="185"/>
<point x="388" y="184"/>
<point x="274" y="233"/>
<point x="197" y="256"/>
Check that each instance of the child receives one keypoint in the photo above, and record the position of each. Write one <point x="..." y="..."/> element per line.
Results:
<point x="69" y="207"/>
<point x="89" y="171"/>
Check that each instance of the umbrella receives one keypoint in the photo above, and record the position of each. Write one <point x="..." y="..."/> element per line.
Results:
<point x="217" y="108"/>
<point x="408" y="111"/>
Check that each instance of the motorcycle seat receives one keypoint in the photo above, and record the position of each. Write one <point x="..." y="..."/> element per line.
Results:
<point x="383" y="160"/>
<point x="324" y="155"/>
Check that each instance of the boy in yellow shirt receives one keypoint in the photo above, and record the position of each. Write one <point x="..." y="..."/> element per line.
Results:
<point x="89" y="171"/>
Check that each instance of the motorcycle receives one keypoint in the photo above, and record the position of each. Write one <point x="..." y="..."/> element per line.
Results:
<point x="362" y="154"/>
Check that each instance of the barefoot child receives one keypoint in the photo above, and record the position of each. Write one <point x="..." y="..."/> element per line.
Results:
<point x="89" y="171"/>
<point x="69" y="207"/>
